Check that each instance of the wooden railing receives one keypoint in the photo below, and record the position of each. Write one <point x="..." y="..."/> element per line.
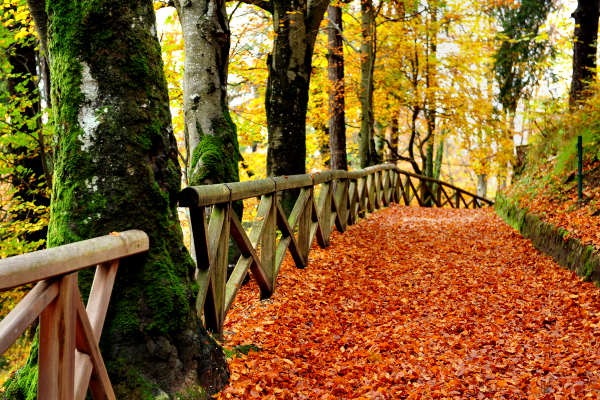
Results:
<point x="343" y="197"/>
<point x="69" y="360"/>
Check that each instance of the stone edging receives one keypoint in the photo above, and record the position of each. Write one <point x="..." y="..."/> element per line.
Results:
<point x="569" y="252"/>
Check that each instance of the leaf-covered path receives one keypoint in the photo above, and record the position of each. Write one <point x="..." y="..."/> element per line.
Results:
<point x="420" y="303"/>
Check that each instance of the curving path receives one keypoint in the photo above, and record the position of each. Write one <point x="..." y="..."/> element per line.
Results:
<point x="420" y="303"/>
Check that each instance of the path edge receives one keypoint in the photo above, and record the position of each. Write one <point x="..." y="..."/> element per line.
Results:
<point x="558" y="243"/>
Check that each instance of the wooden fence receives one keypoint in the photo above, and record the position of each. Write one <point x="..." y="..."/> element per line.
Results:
<point x="324" y="200"/>
<point x="68" y="359"/>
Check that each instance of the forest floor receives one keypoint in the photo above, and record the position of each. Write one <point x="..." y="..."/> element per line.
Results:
<point x="419" y="303"/>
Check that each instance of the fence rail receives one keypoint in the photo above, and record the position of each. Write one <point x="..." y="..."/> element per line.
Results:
<point x="324" y="200"/>
<point x="69" y="360"/>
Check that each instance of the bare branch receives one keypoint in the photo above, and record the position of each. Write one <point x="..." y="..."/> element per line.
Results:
<point x="337" y="28"/>
<point x="400" y="157"/>
<point x="265" y="5"/>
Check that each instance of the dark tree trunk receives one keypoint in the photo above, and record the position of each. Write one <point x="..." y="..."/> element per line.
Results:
<point x="335" y="71"/>
<point x="116" y="168"/>
<point x="584" y="47"/>
<point x="366" y="148"/>
<point x="296" y="24"/>
<point x="392" y="137"/>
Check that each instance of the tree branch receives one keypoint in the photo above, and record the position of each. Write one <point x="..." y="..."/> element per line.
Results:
<point x="264" y="4"/>
<point x="337" y="28"/>
<point x="400" y="157"/>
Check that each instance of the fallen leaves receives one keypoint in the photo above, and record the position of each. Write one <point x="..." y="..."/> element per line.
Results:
<point x="419" y="303"/>
<point x="556" y="202"/>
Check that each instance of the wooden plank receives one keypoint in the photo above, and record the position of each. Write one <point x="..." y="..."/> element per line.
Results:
<point x="287" y="234"/>
<point x="204" y="275"/>
<point x="304" y="225"/>
<point x="247" y="189"/>
<point x="56" y="362"/>
<point x="61" y="260"/>
<point x="376" y="187"/>
<point x="25" y="312"/>
<point x="463" y="199"/>
<point x="370" y="193"/>
<point x="437" y="181"/>
<point x="299" y="207"/>
<point x="415" y="192"/>
<point x="403" y="191"/>
<point x="432" y="196"/>
<point x="205" y="195"/>
<point x="67" y="303"/>
<point x="316" y="227"/>
<point x="49" y="352"/>
<point x="352" y="201"/>
<point x="324" y="211"/>
<point x="97" y="307"/>
<point x="214" y="308"/>
<point x="340" y="204"/>
<point x="249" y="259"/>
<point x="199" y="237"/>
<point x="87" y="342"/>
<point x="390" y="186"/>
<point x="268" y="243"/>
<point x="262" y="214"/>
<point x="448" y="199"/>
<point x="362" y="200"/>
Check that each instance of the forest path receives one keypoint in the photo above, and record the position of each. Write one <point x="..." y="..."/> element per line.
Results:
<point x="420" y="303"/>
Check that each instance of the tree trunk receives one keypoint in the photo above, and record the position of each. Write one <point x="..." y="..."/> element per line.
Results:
<point x="211" y="138"/>
<point x="296" y="26"/>
<point x="391" y="135"/>
<point x="482" y="185"/>
<point x="30" y="174"/>
<point x="366" y="145"/>
<point x="116" y="168"/>
<point x="430" y="81"/>
<point x="335" y="70"/>
<point x="584" y="47"/>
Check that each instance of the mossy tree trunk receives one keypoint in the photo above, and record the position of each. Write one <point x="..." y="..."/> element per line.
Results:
<point x="115" y="169"/>
<point x="211" y="138"/>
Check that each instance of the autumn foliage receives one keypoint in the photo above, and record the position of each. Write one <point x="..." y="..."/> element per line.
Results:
<point x="415" y="303"/>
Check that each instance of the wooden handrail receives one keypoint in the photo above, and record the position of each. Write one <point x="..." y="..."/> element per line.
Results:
<point x="343" y="198"/>
<point x="69" y="332"/>
<point x="48" y="263"/>
<point x="208" y="195"/>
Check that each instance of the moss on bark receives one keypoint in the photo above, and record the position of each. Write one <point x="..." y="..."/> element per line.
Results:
<point x="215" y="158"/>
<point x="116" y="169"/>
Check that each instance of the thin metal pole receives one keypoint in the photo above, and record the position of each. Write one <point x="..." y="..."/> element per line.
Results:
<point x="579" y="169"/>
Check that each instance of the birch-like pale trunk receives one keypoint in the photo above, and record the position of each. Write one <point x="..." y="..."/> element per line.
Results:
<point x="210" y="134"/>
